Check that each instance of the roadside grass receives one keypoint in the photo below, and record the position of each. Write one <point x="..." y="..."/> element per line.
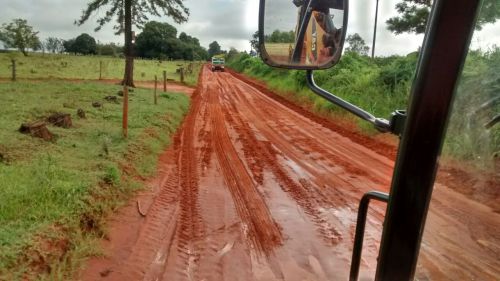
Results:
<point x="377" y="87"/>
<point x="54" y="195"/>
<point x="39" y="66"/>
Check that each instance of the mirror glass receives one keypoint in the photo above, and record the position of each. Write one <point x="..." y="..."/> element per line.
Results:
<point x="302" y="34"/>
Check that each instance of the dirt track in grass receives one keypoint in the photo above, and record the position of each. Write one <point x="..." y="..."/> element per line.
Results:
<point x="257" y="189"/>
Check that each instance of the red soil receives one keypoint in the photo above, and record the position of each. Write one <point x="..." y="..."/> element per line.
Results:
<point x="256" y="188"/>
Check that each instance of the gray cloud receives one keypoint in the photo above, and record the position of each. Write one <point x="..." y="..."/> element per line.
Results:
<point x="230" y="22"/>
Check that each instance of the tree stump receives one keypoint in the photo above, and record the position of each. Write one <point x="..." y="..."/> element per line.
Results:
<point x="112" y="99"/>
<point x="37" y="129"/>
<point x="59" y="119"/>
<point x="81" y="113"/>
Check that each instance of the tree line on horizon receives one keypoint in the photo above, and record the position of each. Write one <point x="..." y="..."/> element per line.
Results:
<point x="156" y="41"/>
<point x="128" y="13"/>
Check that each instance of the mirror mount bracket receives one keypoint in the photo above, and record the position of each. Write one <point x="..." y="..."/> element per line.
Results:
<point x="305" y="16"/>
<point x="394" y="126"/>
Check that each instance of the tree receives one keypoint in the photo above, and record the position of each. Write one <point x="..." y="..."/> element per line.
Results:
<point x="110" y="49"/>
<point x="188" y="39"/>
<point x="232" y="53"/>
<point x="69" y="46"/>
<point x="281" y="37"/>
<point x="18" y="34"/>
<point x="156" y="40"/>
<point x="200" y="53"/>
<point x="214" y="49"/>
<point x="193" y="49"/>
<point x="54" y="45"/>
<point x="254" y="42"/>
<point x="357" y="44"/>
<point x="85" y="44"/>
<point x="133" y="12"/>
<point x="413" y="15"/>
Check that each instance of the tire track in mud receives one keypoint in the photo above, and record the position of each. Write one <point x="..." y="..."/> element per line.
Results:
<point x="204" y="137"/>
<point x="264" y="154"/>
<point x="254" y="162"/>
<point x="316" y="194"/>
<point x="293" y="129"/>
<point x="262" y="230"/>
<point x="275" y="135"/>
<point x="172" y="239"/>
<point x="338" y="181"/>
<point x="377" y="146"/>
<point x="191" y="231"/>
<point x="154" y="241"/>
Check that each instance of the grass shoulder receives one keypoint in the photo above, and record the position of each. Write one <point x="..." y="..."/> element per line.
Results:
<point x="55" y="194"/>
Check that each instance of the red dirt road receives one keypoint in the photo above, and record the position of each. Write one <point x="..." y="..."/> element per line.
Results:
<point x="255" y="190"/>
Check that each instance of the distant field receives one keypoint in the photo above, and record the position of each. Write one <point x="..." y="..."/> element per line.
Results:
<point x="87" y="67"/>
<point x="54" y="194"/>
<point x="279" y="51"/>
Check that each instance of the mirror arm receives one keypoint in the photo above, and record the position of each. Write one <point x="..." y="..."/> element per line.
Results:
<point x="395" y="126"/>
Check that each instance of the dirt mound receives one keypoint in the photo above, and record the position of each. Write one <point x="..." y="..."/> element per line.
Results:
<point x="81" y="113"/>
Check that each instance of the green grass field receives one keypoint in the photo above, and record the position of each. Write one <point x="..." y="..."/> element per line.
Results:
<point x="87" y="67"/>
<point x="54" y="195"/>
<point x="278" y="49"/>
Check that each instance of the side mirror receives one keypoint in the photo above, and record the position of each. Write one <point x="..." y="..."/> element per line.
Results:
<point x="302" y="34"/>
<point x="310" y="35"/>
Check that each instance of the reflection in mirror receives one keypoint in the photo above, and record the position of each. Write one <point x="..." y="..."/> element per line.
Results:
<point x="303" y="33"/>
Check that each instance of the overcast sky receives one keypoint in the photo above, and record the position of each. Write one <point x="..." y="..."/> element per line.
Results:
<point x="229" y="22"/>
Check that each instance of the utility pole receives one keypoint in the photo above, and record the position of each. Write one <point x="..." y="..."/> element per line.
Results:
<point x="375" y="30"/>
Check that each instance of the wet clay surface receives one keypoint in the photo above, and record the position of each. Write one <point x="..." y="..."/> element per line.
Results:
<point x="253" y="189"/>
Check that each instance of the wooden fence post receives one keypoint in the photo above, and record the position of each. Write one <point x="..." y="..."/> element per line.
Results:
<point x="164" y="80"/>
<point x="13" y="70"/>
<point x="100" y="70"/>
<point x="125" y="111"/>
<point x="156" y="85"/>
<point x="182" y="74"/>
